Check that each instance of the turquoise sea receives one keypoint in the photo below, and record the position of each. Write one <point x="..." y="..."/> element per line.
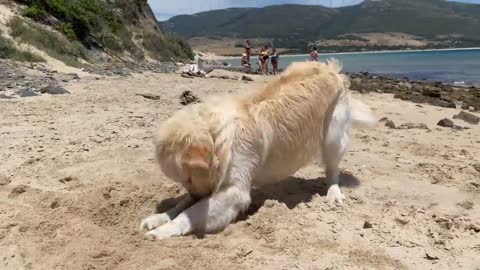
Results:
<point x="449" y="66"/>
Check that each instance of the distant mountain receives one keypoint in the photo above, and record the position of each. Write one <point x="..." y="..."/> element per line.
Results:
<point x="441" y="23"/>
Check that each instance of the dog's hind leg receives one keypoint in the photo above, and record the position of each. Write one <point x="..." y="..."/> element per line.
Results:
<point x="332" y="157"/>
<point x="334" y="147"/>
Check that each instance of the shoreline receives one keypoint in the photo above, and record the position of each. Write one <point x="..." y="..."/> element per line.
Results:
<point x="369" y="52"/>
<point x="398" y="51"/>
<point x="402" y="73"/>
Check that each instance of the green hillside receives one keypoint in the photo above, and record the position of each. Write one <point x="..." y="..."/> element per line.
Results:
<point x="123" y="28"/>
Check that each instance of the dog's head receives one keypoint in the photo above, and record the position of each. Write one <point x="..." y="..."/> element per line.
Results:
<point x="188" y="158"/>
<point x="200" y="165"/>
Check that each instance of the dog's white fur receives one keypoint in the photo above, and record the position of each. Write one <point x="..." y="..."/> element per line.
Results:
<point x="219" y="149"/>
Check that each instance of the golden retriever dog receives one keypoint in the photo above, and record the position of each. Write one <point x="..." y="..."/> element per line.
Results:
<point x="218" y="150"/>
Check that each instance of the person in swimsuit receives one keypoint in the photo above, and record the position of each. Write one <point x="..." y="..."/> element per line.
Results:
<point x="267" y="58"/>
<point x="244" y="60"/>
<point x="248" y="50"/>
<point x="260" y="62"/>
<point x="274" y="59"/>
<point x="314" y="55"/>
<point x="264" y="56"/>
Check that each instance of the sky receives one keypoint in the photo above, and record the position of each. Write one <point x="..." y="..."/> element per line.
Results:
<point x="165" y="9"/>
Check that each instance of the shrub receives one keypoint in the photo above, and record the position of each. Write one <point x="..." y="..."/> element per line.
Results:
<point x="36" y="13"/>
<point x="114" y="21"/>
<point x="67" y="30"/>
<point x="141" y="3"/>
<point x="185" y="48"/>
<point x="83" y="15"/>
<point x="165" y="48"/>
<point x="112" y="43"/>
<point x="28" y="56"/>
<point x="8" y="51"/>
<point x="126" y="37"/>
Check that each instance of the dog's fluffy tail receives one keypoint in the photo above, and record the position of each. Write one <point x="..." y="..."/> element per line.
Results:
<point x="334" y="64"/>
<point x="360" y="114"/>
<point x="348" y="109"/>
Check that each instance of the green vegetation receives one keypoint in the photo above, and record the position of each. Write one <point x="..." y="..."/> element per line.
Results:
<point x="82" y="14"/>
<point x="425" y="18"/>
<point x="35" y="13"/>
<point x="175" y="46"/>
<point x="107" y="25"/>
<point x="67" y="30"/>
<point x="54" y="44"/>
<point x="179" y="46"/>
<point x="9" y="51"/>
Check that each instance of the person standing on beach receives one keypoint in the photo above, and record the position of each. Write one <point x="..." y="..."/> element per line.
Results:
<point x="314" y="54"/>
<point x="263" y="56"/>
<point x="244" y="60"/>
<point x="274" y="58"/>
<point x="248" y="50"/>
<point x="267" y="59"/>
<point x="259" y="62"/>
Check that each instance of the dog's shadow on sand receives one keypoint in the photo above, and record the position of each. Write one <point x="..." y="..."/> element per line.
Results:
<point x="291" y="192"/>
<point x="294" y="191"/>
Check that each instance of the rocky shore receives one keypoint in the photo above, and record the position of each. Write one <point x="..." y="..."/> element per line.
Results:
<point x="434" y="93"/>
<point x="19" y="80"/>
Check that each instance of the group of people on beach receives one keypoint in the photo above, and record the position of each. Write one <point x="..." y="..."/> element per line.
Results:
<point x="267" y="53"/>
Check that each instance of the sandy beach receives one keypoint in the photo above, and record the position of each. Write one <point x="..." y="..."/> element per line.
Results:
<point x="78" y="174"/>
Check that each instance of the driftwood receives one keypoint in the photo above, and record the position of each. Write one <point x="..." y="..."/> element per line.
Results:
<point x="208" y="67"/>
<point x="149" y="96"/>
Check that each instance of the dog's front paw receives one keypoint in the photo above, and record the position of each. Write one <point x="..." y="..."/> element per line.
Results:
<point x="334" y="195"/>
<point x="154" y="221"/>
<point x="166" y="231"/>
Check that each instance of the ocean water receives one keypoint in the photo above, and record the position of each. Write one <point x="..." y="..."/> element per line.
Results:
<point x="449" y="66"/>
